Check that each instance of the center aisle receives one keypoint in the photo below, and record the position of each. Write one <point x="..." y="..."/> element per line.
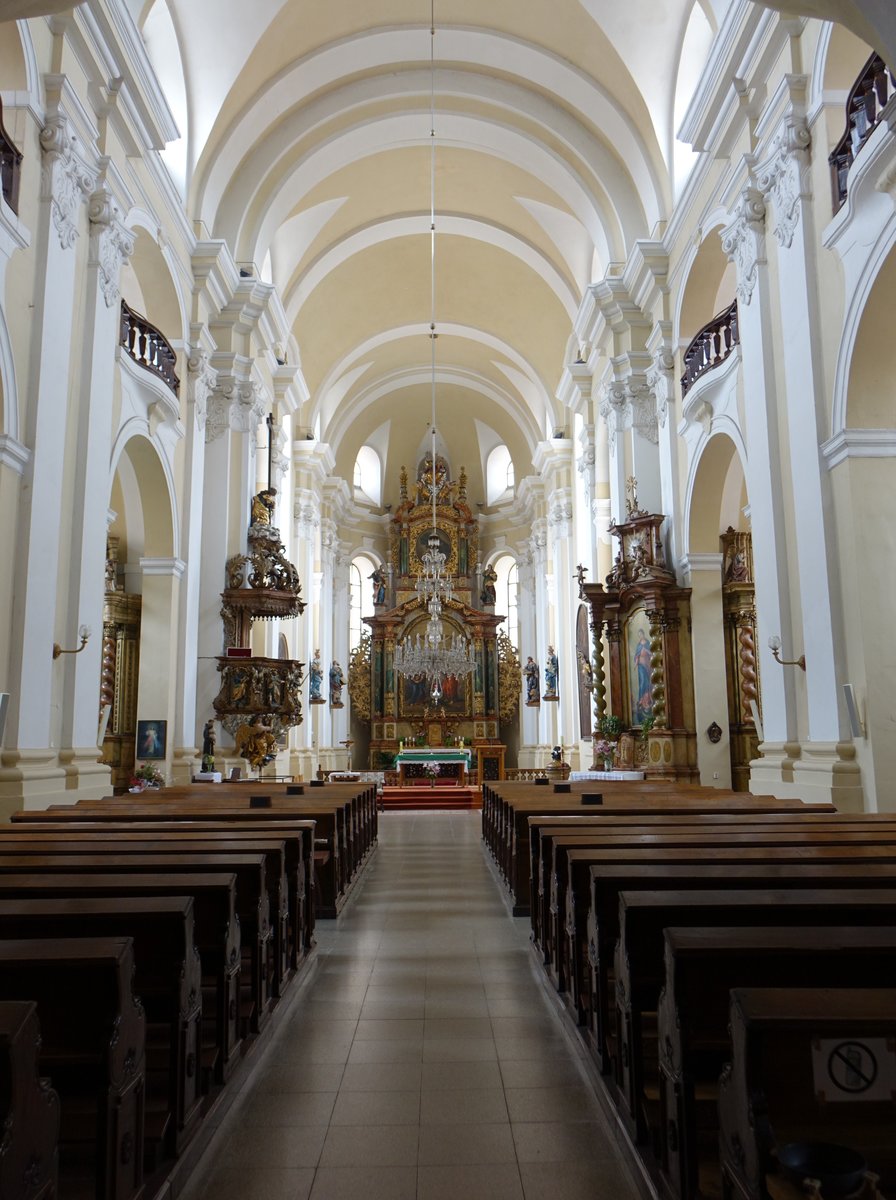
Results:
<point x="422" y="1060"/>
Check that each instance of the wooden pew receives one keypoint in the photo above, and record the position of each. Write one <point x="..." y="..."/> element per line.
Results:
<point x="702" y="966"/>
<point x="92" y="1047"/>
<point x="29" y="1109"/>
<point x="510" y="831"/>
<point x="607" y="882"/>
<point x="543" y="828"/>
<point x="298" y="838"/>
<point x="124" y="845"/>
<point x="329" y="816"/>
<point x="572" y="857"/>
<point x="639" y="969"/>
<point x="768" y="1094"/>
<point x="167" y="981"/>
<point x="586" y="865"/>
<point x="252" y="902"/>
<point x="216" y="932"/>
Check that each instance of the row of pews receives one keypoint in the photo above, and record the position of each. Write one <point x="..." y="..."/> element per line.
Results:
<point x="145" y="944"/>
<point x="729" y="962"/>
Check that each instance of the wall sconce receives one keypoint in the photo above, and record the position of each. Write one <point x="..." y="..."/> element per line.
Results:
<point x="774" y="644"/>
<point x="83" y="634"/>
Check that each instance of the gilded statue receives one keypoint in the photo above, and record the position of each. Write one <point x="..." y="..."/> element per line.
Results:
<point x="263" y="506"/>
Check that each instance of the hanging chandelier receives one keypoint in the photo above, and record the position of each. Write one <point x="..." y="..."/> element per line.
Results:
<point x="432" y="654"/>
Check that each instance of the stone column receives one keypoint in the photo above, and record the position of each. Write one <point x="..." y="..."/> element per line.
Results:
<point x="743" y="240"/>
<point x="703" y="575"/>
<point x="158" y="674"/>
<point x="111" y="244"/>
<point x="528" y="625"/>
<point x="629" y="409"/>
<point x="31" y="774"/>
<point x="660" y="381"/>
<point x="785" y="181"/>
<point x="200" y="383"/>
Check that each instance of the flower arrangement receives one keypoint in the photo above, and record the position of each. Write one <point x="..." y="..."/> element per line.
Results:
<point x="430" y="768"/>
<point x="146" y="775"/>
<point x="605" y="749"/>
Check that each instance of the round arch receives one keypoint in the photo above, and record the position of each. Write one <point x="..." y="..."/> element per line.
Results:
<point x="717" y="493"/>
<point x="150" y="282"/>
<point x="140" y="477"/>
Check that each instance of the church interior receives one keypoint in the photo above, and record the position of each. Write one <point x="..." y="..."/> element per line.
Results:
<point x="451" y="406"/>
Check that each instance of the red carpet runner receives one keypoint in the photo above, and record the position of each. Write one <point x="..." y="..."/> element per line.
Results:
<point x="423" y="796"/>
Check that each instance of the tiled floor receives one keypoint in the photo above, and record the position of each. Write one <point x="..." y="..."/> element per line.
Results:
<point x="422" y="1060"/>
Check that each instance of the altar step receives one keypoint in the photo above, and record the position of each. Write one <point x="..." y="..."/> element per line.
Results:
<point x="417" y="796"/>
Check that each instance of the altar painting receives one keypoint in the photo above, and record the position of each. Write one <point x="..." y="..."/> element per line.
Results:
<point x="414" y="690"/>
<point x="637" y="640"/>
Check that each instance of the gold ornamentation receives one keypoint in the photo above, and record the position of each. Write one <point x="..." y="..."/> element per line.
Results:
<point x="359" y="678"/>
<point x="510" y="678"/>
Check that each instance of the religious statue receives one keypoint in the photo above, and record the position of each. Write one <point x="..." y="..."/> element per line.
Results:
<point x="531" y="672"/>
<point x="551" y="673"/>
<point x="208" y="746"/>
<point x="586" y="672"/>
<point x="263" y="506"/>
<point x="337" y="682"/>
<point x="378" y="579"/>
<point x="488" y="596"/>
<point x="256" y="743"/>
<point x="315" y="680"/>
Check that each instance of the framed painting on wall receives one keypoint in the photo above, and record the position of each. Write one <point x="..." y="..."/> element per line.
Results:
<point x="152" y="739"/>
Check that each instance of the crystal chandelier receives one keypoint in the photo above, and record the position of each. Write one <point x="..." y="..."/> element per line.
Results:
<point x="432" y="654"/>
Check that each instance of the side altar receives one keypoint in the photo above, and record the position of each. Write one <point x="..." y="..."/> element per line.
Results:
<point x="647" y="620"/>
<point x="402" y="709"/>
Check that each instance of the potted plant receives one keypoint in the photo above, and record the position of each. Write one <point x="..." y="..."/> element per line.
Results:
<point x="610" y="726"/>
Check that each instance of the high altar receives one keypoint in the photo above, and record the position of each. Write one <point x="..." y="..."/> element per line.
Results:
<point x="471" y="708"/>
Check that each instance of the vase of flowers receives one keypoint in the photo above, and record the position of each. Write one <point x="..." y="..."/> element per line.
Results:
<point x="605" y="749"/>
<point x="147" y="775"/>
<point x="431" y="770"/>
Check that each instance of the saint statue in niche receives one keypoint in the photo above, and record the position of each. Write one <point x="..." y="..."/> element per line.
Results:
<point x="531" y="672"/>
<point x="551" y="673"/>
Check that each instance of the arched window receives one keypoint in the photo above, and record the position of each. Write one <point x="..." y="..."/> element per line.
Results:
<point x="367" y="476"/>
<point x="361" y="597"/>
<point x="499" y="476"/>
<point x="506" y="591"/>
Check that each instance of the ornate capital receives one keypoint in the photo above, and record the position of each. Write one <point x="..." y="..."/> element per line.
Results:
<point x="743" y="240"/>
<point x="111" y="243"/>
<point x="785" y="178"/>
<point x="630" y="403"/>
<point x="236" y="405"/>
<point x="659" y="380"/>
<point x="560" y="513"/>
<point x="203" y="379"/>
<point x="306" y="512"/>
<point x="66" y="180"/>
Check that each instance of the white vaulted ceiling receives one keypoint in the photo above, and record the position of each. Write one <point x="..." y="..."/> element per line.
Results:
<point x="306" y="145"/>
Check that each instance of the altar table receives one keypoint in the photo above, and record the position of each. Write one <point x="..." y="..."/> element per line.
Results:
<point x="630" y="775"/>
<point x="454" y="763"/>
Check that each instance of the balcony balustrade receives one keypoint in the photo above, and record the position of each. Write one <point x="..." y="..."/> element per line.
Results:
<point x="869" y="95"/>
<point x="148" y="347"/>
<point x="711" y="346"/>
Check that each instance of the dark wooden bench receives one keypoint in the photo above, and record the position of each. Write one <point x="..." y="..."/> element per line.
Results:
<point x="509" y="831"/>
<point x="639" y="968"/>
<point x="216" y="932"/>
<point x="586" y="864"/>
<point x="542" y="829"/>
<point x="702" y="966"/>
<point x="252" y="902"/>
<point x="768" y="1094"/>
<point x="29" y="1109"/>
<point x="571" y="857"/>
<point x="92" y="1048"/>
<point x="297" y="836"/>
<point x="123" y="846"/>
<point x="607" y="882"/>
<point x="167" y="981"/>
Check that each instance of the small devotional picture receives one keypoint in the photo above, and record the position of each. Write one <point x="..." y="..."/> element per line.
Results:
<point x="152" y="739"/>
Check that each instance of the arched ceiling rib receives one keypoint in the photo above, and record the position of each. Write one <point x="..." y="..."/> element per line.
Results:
<point x="309" y="154"/>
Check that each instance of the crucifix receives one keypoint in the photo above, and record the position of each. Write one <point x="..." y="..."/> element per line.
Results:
<point x="269" y="421"/>
<point x="631" y="493"/>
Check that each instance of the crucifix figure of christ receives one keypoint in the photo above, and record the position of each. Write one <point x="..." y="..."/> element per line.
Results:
<point x="631" y="495"/>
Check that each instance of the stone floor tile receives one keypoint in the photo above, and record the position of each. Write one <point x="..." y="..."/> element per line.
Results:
<point x="465" y="1144"/>
<point x="377" y="1108"/>
<point x="373" y="1183"/>
<point x="603" y="1180"/>
<point x="485" y="1181"/>
<point x="463" y="1106"/>
<point x="370" y="1146"/>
